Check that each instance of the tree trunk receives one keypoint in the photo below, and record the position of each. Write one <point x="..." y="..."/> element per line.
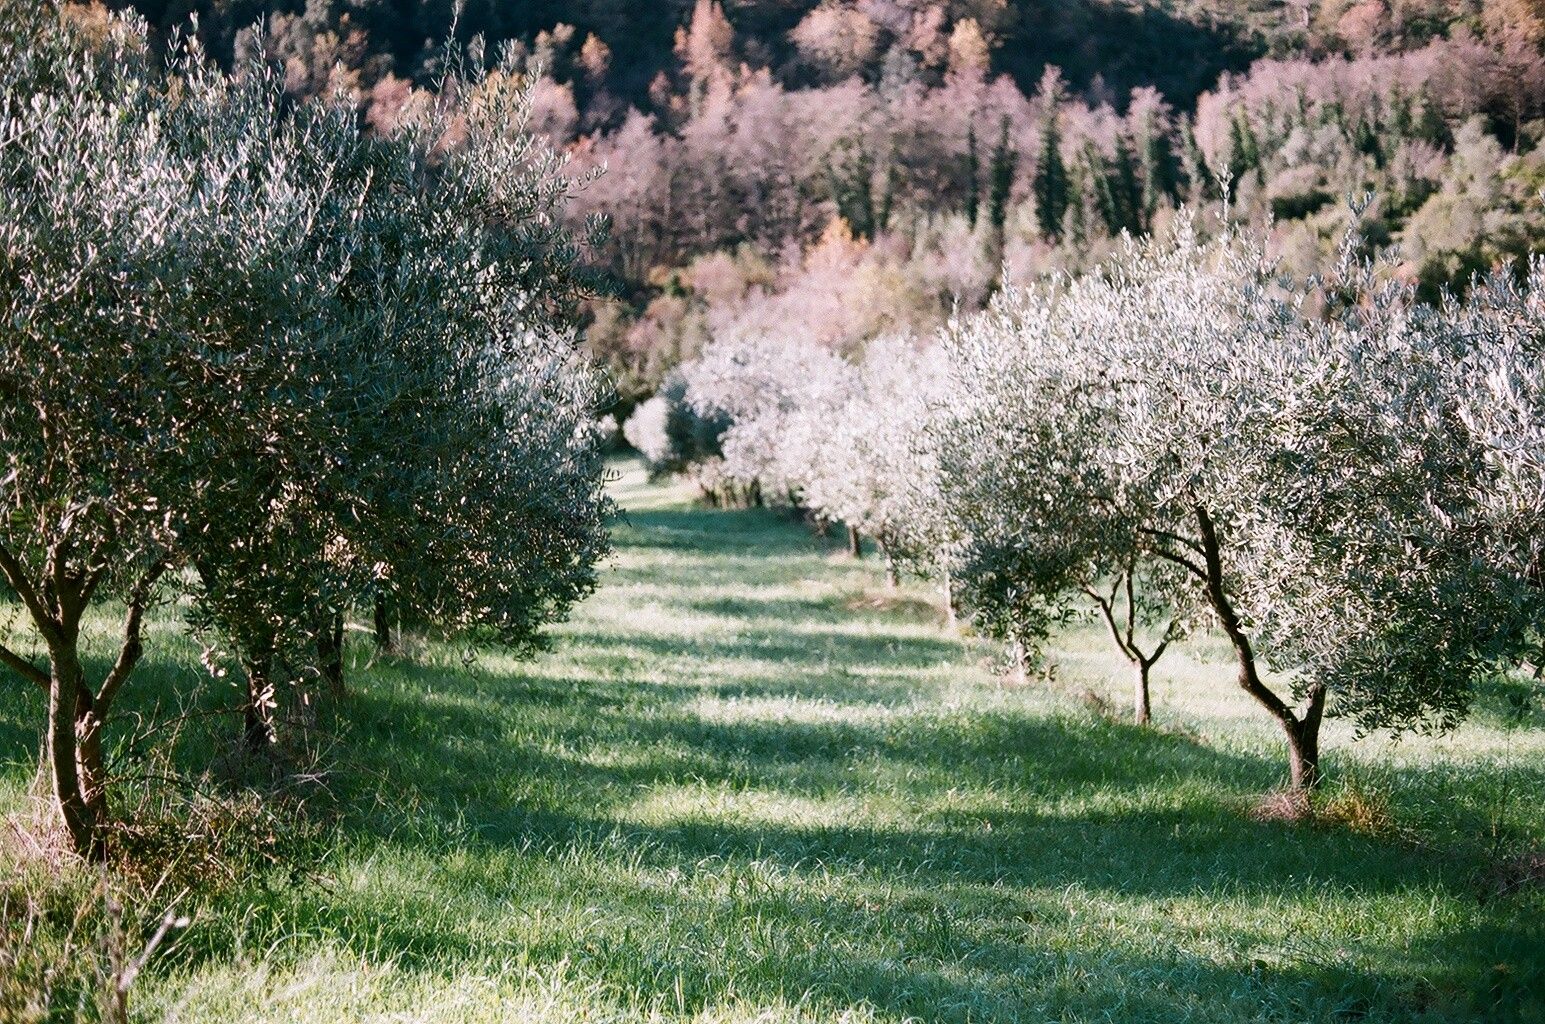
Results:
<point x="1142" y="709"/>
<point x="89" y="764"/>
<point x="1303" y="730"/>
<point x="855" y="543"/>
<point x="383" y="626"/>
<point x="66" y="681"/>
<point x="1303" y="736"/>
<point x="330" y="655"/>
<point x="951" y="620"/>
<point x="258" y="717"/>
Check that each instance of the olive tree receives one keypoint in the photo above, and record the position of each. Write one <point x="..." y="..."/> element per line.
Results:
<point x="866" y="459"/>
<point x="1496" y="340"/>
<point x="1040" y="517"/>
<point x="139" y="349"/>
<point x="775" y="392"/>
<point x="249" y="346"/>
<point x="477" y="467"/>
<point x="463" y="475"/>
<point x="673" y="437"/>
<point x="645" y="431"/>
<point x="1300" y="471"/>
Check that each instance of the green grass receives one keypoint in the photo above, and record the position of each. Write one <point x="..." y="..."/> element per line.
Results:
<point x="746" y="787"/>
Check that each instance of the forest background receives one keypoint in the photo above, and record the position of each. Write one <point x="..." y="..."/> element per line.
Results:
<point x="859" y="167"/>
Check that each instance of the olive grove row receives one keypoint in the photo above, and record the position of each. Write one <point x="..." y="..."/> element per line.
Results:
<point x="260" y="363"/>
<point x="1345" y="482"/>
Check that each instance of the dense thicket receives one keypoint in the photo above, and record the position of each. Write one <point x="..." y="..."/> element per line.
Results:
<point x="254" y="356"/>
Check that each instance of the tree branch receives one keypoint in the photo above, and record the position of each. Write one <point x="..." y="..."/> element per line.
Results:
<point x="16" y="575"/>
<point x="1181" y="560"/>
<point x="131" y="647"/>
<point x="1110" y="621"/>
<point x="1126" y="578"/>
<point x="1173" y="538"/>
<point x="24" y="668"/>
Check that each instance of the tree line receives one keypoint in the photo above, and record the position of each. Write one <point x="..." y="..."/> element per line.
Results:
<point x="954" y="180"/>
<point x="1339" y="478"/>
<point x="941" y="133"/>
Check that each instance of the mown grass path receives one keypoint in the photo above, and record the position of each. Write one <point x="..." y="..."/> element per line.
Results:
<point x="748" y="786"/>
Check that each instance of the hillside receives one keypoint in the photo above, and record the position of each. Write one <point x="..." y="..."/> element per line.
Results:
<point x="1178" y="47"/>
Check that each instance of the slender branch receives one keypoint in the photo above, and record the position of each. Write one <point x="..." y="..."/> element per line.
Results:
<point x="16" y="575"/>
<point x="1181" y="560"/>
<point x="66" y="588"/>
<point x="132" y="647"/>
<point x="1131" y="608"/>
<point x="1110" y="620"/>
<point x="1173" y="538"/>
<point x="96" y="571"/>
<point x="1249" y="675"/>
<point x="22" y="667"/>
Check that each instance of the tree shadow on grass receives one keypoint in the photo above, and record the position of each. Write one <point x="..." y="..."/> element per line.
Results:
<point x="940" y="917"/>
<point x="718" y="532"/>
<point x="695" y="846"/>
<point x="829" y="650"/>
<point x="1016" y="816"/>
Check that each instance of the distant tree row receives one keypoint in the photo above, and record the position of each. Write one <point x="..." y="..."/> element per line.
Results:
<point x="259" y="361"/>
<point x="1340" y="479"/>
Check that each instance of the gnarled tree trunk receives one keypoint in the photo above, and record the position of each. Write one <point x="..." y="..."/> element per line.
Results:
<point x="66" y="680"/>
<point x="90" y="766"/>
<point x="1302" y="728"/>
<point x="258" y="732"/>
<point x="383" y="625"/>
<point x="330" y="655"/>
<point x="1303" y="736"/>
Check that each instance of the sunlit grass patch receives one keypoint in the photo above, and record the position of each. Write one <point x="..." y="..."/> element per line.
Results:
<point x="731" y="794"/>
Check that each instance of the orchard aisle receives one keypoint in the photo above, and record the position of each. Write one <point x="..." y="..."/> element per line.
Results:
<point x="750" y="785"/>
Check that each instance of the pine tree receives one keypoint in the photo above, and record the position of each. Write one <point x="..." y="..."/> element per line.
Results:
<point x="1400" y="124"/>
<point x="1431" y="127"/>
<point x="1244" y="152"/>
<point x="1366" y="140"/>
<point x="1005" y="160"/>
<point x="1051" y="177"/>
<point x="973" y="176"/>
<point x="1198" y="176"/>
<point x="850" y="176"/>
<point x="1126" y="193"/>
<point x="1160" y="176"/>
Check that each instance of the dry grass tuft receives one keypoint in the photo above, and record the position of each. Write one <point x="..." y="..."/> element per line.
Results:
<point x="1358" y="808"/>
<point x="1283" y="805"/>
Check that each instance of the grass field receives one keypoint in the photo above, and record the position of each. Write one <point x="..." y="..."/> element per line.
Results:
<point x="749" y="785"/>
